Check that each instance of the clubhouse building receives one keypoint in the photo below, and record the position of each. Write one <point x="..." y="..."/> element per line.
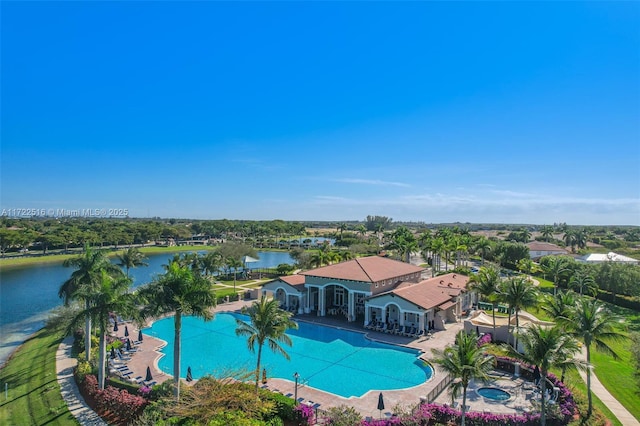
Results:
<point x="375" y="289"/>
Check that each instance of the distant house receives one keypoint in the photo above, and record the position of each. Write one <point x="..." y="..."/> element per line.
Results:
<point x="375" y="289"/>
<point x="538" y="249"/>
<point x="607" y="257"/>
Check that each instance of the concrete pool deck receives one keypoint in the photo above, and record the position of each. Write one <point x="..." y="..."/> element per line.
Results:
<point x="148" y="355"/>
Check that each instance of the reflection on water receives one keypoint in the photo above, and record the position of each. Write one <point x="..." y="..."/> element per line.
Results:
<point x="27" y="294"/>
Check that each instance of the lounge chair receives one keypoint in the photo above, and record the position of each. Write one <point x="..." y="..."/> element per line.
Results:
<point x="420" y="333"/>
<point x="400" y="330"/>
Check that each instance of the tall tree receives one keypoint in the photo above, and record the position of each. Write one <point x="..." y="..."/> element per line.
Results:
<point x="89" y="267"/>
<point x="464" y="361"/>
<point x="267" y="324"/>
<point x="182" y="292"/>
<point x="111" y="295"/>
<point x="484" y="245"/>
<point x="131" y="258"/>
<point x="590" y="322"/>
<point x="555" y="266"/>
<point x="487" y="283"/>
<point x="518" y="293"/>
<point x="546" y="348"/>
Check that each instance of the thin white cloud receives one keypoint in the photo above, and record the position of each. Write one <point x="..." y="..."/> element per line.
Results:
<point x="491" y="206"/>
<point x="372" y="182"/>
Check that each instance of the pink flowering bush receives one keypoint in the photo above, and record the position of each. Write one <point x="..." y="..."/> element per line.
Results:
<point x="117" y="404"/>
<point x="484" y="339"/>
<point x="304" y="414"/>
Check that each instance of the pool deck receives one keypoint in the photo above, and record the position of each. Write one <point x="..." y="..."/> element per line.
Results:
<point x="148" y="355"/>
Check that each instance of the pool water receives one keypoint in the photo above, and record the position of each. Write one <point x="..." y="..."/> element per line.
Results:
<point x="494" y="393"/>
<point x="336" y="361"/>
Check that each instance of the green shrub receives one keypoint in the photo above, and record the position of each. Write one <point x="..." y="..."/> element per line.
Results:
<point x="82" y="369"/>
<point x="283" y="404"/>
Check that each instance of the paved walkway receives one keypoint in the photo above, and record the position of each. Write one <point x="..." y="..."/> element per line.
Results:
<point x="68" y="388"/>
<point x="618" y="410"/>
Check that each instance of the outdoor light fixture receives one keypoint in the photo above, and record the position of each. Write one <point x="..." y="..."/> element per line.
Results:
<point x="296" y="376"/>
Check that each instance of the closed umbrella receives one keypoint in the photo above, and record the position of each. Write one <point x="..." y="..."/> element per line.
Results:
<point x="380" y="404"/>
<point x="113" y="352"/>
<point x="536" y="375"/>
<point x="189" y="376"/>
<point x="115" y="326"/>
<point x="149" y="376"/>
<point x="126" y="331"/>
<point x="128" y="345"/>
<point x="140" y="336"/>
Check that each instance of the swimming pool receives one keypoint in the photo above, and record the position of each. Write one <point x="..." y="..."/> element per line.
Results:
<point x="337" y="361"/>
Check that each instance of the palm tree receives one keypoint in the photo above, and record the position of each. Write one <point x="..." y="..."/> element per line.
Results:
<point x="558" y="305"/>
<point x="362" y="230"/>
<point x="234" y="263"/>
<point x="212" y="262"/>
<point x="319" y="258"/>
<point x="525" y="235"/>
<point x="484" y="245"/>
<point x="182" y="292"/>
<point x="590" y="322"/>
<point x="555" y="267"/>
<point x="111" y="295"/>
<point x="131" y="258"/>
<point x="267" y="324"/>
<point x="341" y="228"/>
<point x="547" y="232"/>
<point x="464" y="361"/>
<point x="437" y="248"/>
<point x="88" y="274"/>
<point x="570" y="240"/>
<point x="487" y="283"/>
<point x="546" y="348"/>
<point x="583" y="281"/>
<point x="518" y="293"/>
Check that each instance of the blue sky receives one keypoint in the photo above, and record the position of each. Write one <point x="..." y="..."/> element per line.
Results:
<point x="510" y="112"/>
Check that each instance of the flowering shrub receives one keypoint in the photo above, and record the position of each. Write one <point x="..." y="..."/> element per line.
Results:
<point x="304" y="413"/>
<point x="120" y="404"/>
<point x="145" y="391"/>
<point x="484" y="339"/>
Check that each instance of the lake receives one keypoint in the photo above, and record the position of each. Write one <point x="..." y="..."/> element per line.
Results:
<point x="28" y="294"/>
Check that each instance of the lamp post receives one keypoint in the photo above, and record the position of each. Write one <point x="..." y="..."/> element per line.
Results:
<point x="296" y="376"/>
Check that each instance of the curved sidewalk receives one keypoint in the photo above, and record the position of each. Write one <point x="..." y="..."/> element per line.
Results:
<point x="68" y="388"/>
<point x="618" y="410"/>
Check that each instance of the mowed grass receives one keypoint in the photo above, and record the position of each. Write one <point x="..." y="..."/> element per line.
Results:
<point x="34" y="393"/>
<point x="617" y="375"/>
<point x="579" y="389"/>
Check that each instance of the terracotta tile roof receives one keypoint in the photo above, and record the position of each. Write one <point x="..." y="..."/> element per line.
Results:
<point x="433" y="292"/>
<point x="543" y="246"/>
<point x="295" y="280"/>
<point x="425" y="296"/>
<point x="366" y="269"/>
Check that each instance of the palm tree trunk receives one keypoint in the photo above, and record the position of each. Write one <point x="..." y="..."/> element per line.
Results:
<point x="464" y="406"/>
<point x="87" y="333"/>
<point x="543" y="408"/>
<point x="101" y="357"/>
<point x="588" y="347"/>
<point x="515" y="335"/>
<point x="493" y="306"/>
<point x="176" y="353"/>
<point x="258" y="367"/>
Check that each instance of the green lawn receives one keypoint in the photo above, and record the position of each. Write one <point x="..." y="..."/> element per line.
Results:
<point x="34" y="394"/>
<point x="615" y="375"/>
<point x="579" y="388"/>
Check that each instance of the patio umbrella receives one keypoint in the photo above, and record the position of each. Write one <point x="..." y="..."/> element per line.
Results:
<point x="189" y="376"/>
<point x="113" y="352"/>
<point x="115" y="326"/>
<point x="149" y="377"/>
<point x="126" y="331"/>
<point x="380" y="404"/>
<point x="140" y="336"/>
<point x="128" y="345"/>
